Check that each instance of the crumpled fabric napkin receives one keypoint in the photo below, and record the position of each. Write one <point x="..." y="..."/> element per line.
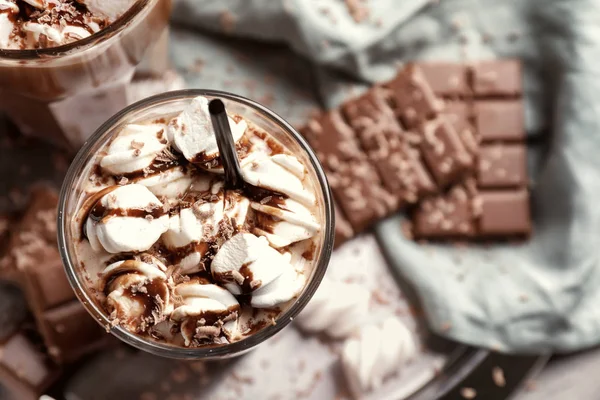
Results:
<point x="540" y="296"/>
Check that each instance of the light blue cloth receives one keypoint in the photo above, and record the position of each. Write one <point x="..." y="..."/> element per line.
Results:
<point x="540" y="296"/>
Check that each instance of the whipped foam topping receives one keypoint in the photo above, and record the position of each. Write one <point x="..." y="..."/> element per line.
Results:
<point x="246" y="264"/>
<point x="136" y="147"/>
<point x="137" y="291"/>
<point x="192" y="133"/>
<point x="172" y="182"/>
<point x="128" y="218"/>
<point x="284" y="223"/>
<point x="337" y="309"/>
<point x="231" y="260"/>
<point x="206" y="311"/>
<point x="33" y="24"/>
<point x="280" y="173"/>
<point x="376" y="353"/>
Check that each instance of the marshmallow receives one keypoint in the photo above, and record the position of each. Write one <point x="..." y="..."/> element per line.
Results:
<point x="247" y="264"/>
<point x="280" y="173"/>
<point x="337" y="308"/>
<point x="284" y="224"/>
<point x="215" y="305"/>
<point x="137" y="292"/>
<point x="130" y="218"/>
<point x="378" y="352"/>
<point x="172" y="183"/>
<point x="7" y="9"/>
<point x="192" y="133"/>
<point x="134" y="149"/>
<point x="198" y="224"/>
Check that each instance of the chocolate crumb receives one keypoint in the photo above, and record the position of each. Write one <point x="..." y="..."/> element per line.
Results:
<point x="498" y="376"/>
<point x="468" y="393"/>
<point x="227" y="21"/>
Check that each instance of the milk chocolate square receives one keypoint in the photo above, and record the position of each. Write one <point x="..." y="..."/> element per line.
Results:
<point x="446" y="216"/>
<point x="502" y="166"/>
<point x="505" y="213"/>
<point x="446" y="79"/>
<point x="497" y="78"/>
<point x="499" y="120"/>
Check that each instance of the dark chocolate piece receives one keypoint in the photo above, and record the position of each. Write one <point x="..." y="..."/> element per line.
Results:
<point x="48" y="285"/>
<point x="36" y="266"/>
<point x="70" y="332"/>
<point x="502" y="166"/>
<point x="412" y="97"/>
<point x="499" y="120"/>
<point x="13" y="310"/>
<point x="24" y="370"/>
<point x="447" y="79"/>
<point x="497" y="78"/>
<point x="505" y="213"/>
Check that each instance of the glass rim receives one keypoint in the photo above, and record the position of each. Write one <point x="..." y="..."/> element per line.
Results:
<point x="68" y="49"/>
<point x="198" y="353"/>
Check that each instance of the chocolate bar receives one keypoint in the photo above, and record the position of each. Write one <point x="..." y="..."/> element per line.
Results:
<point x="33" y="262"/>
<point x="390" y="147"/>
<point x="494" y="203"/>
<point x="355" y="183"/>
<point x="24" y="370"/>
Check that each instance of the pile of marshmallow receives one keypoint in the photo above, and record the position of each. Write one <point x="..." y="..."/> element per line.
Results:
<point x="263" y="263"/>
<point x="370" y="353"/>
<point x="55" y="32"/>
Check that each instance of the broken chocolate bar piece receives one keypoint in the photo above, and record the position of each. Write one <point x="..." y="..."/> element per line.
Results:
<point x="362" y="198"/>
<point x="497" y="78"/>
<point x="412" y="97"/>
<point x="388" y="148"/>
<point x="499" y="120"/>
<point x="444" y="152"/>
<point x="354" y="182"/>
<point x="24" y="370"/>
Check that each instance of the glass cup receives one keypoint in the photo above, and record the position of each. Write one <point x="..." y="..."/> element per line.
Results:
<point x="64" y="92"/>
<point x="169" y="104"/>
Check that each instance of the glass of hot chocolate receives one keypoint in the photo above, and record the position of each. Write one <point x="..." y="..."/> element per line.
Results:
<point x="167" y="258"/>
<point x="65" y="64"/>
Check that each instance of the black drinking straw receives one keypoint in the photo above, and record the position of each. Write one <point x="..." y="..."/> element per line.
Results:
<point x="231" y="165"/>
